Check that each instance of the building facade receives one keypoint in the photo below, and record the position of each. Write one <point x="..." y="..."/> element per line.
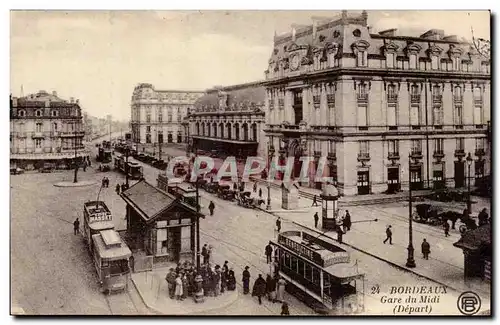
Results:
<point x="45" y="128"/>
<point x="377" y="105"/>
<point x="229" y="121"/>
<point x="157" y="115"/>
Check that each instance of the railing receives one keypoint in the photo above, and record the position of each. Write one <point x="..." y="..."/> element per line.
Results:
<point x="363" y="156"/>
<point x="72" y="148"/>
<point x="362" y="97"/>
<point x="437" y="98"/>
<point x="393" y="155"/>
<point x="438" y="153"/>
<point x="38" y="134"/>
<point x="415" y="98"/>
<point x="479" y="152"/>
<point x="416" y="153"/>
<point x="71" y="133"/>
<point x="392" y="98"/>
<point x="459" y="152"/>
<point x="457" y="99"/>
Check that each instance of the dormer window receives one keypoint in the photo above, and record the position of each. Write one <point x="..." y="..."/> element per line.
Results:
<point x="54" y="113"/>
<point x="38" y="113"/>
<point x="360" y="49"/>
<point x="21" y="113"/>
<point x="390" y="60"/>
<point x="456" y="64"/>
<point x="362" y="59"/>
<point x="434" y="62"/>
<point x="413" y="61"/>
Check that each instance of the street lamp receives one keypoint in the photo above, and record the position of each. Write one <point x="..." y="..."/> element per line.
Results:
<point x="270" y="154"/>
<point x="410" y="262"/>
<point x="75" y="179"/>
<point x="469" y="163"/>
<point x="127" y="153"/>
<point x="197" y="216"/>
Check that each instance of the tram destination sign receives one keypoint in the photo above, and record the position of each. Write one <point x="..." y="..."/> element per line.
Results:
<point x="100" y="216"/>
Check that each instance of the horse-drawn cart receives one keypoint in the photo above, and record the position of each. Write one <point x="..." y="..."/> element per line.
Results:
<point x="245" y="200"/>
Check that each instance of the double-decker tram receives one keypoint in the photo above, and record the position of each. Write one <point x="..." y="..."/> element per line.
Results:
<point x="318" y="271"/>
<point x="111" y="259"/>
<point x="97" y="217"/>
<point x="133" y="169"/>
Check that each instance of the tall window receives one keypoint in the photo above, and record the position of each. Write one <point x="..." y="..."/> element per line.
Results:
<point x="364" y="148"/>
<point x="413" y="61"/>
<point x="439" y="146"/>
<point x="330" y="95"/>
<point x="38" y="143"/>
<point x="332" y="147"/>
<point x="416" y="147"/>
<point x="478" y="106"/>
<point x="362" y="59"/>
<point x="392" y="114"/>
<point x="460" y="144"/>
<point x="362" y="115"/>
<point x="456" y="64"/>
<point x="39" y="127"/>
<point x="458" y="107"/>
<point x="38" y="113"/>
<point x="389" y="60"/>
<point x="393" y="147"/>
<point x="480" y="144"/>
<point x="434" y="62"/>
<point x="179" y="117"/>
<point x="159" y="114"/>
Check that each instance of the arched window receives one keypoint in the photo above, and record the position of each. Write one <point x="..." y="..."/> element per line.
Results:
<point x="22" y="113"/>
<point x="228" y="128"/>
<point x="254" y="132"/>
<point x="221" y="130"/>
<point x="197" y="128"/>
<point x="236" y="131"/>
<point x="38" y="112"/>
<point x="214" y="127"/>
<point x="245" y="132"/>
<point x="54" y="113"/>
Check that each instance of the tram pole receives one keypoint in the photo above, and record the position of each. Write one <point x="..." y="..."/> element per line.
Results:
<point x="75" y="179"/>
<point x="410" y="262"/>
<point x="125" y="168"/>
<point x="197" y="216"/>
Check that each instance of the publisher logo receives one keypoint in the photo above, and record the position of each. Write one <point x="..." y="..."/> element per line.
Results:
<point x="469" y="303"/>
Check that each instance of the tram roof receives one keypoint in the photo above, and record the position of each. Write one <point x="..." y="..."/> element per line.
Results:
<point x="113" y="252"/>
<point x="101" y="225"/>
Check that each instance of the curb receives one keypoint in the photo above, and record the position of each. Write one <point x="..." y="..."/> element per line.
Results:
<point x="155" y="310"/>
<point x="71" y="184"/>
<point x="367" y="253"/>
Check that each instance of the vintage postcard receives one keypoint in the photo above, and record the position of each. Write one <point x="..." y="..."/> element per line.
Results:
<point x="250" y="163"/>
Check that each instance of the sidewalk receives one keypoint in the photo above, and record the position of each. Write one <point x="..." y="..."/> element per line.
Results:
<point x="445" y="264"/>
<point x="153" y="290"/>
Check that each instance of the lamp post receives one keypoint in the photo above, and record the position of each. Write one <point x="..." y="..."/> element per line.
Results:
<point x="127" y="152"/>
<point x="75" y="179"/>
<point x="270" y="153"/>
<point x="469" y="163"/>
<point x="410" y="261"/>
<point x="197" y="216"/>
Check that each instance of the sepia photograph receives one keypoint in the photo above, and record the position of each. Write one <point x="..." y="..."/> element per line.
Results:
<point x="280" y="163"/>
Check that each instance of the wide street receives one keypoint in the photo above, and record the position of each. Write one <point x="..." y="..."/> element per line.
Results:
<point x="52" y="272"/>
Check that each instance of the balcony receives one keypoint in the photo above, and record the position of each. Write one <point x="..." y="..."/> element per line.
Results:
<point x="330" y="99"/>
<point x="459" y="153"/>
<point x="478" y="101"/>
<point x="437" y="98"/>
<point x="415" y="98"/>
<point x="393" y="155"/>
<point x="439" y="154"/>
<point x="71" y="148"/>
<point x="363" y="156"/>
<point x="317" y="154"/>
<point x="71" y="134"/>
<point x="458" y="99"/>
<point x="416" y="154"/>
<point x="38" y="135"/>
<point x="362" y="97"/>
<point x="392" y="98"/>
<point x="479" y="152"/>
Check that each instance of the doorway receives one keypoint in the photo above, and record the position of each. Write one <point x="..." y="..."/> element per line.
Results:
<point x="393" y="179"/>
<point x="363" y="182"/>
<point x="174" y="243"/>
<point x="459" y="174"/>
<point x="416" y="182"/>
<point x="170" y="138"/>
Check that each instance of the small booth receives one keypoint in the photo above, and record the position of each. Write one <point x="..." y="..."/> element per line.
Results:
<point x="329" y="211"/>
<point x="159" y="224"/>
<point x="290" y="196"/>
<point x="477" y="248"/>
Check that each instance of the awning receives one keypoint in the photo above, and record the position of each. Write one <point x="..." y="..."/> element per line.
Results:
<point x="225" y="140"/>
<point x="47" y="156"/>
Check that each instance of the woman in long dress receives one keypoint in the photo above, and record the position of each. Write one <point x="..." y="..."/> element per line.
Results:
<point x="178" y="288"/>
<point x="281" y="290"/>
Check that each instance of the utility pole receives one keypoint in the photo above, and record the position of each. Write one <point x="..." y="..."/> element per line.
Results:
<point x="197" y="218"/>
<point x="75" y="179"/>
<point x="410" y="262"/>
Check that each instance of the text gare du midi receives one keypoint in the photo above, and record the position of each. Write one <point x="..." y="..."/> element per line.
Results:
<point x="415" y="295"/>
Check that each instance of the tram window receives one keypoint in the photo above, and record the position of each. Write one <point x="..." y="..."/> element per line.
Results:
<point x="118" y="267"/>
<point x="104" y="263"/>
<point x="301" y="268"/>
<point x="287" y="260"/>
<point x="316" y="277"/>
<point x="326" y="279"/>
<point x="308" y="273"/>
<point x="293" y="267"/>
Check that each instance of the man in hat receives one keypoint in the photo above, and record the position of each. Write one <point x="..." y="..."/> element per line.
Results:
<point x="170" y="278"/>
<point x="388" y="233"/>
<point x="426" y="249"/>
<point x="316" y="219"/>
<point x="76" y="226"/>
<point x="204" y="253"/>
<point x="246" y="281"/>
<point x="259" y="288"/>
<point x="269" y="252"/>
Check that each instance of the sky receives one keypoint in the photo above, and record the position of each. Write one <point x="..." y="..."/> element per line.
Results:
<point x="100" y="56"/>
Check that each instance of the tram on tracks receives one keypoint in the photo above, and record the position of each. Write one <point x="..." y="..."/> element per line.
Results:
<point x="96" y="217"/>
<point x="133" y="169"/>
<point x="112" y="260"/>
<point x="319" y="272"/>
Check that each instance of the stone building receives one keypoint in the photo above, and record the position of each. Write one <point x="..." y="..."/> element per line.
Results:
<point x="45" y="128"/>
<point x="367" y="102"/>
<point x="229" y="121"/>
<point x="157" y="115"/>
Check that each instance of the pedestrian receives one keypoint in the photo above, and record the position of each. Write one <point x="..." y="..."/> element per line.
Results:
<point x="446" y="228"/>
<point x="483" y="217"/>
<point x="223" y="278"/>
<point x="117" y="189"/>
<point x="269" y="252"/>
<point x="170" y="278"/>
<point x="281" y="290"/>
<point x="284" y="309"/>
<point x="278" y="224"/>
<point x="340" y="234"/>
<point x="388" y="232"/>
<point x="204" y="253"/>
<point x="271" y="288"/>
<point x="184" y="286"/>
<point x="123" y="188"/>
<point x="316" y="219"/>
<point x="315" y="201"/>
<point x="426" y="249"/>
<point x="84" y="166"/>
<point x="260" y="192"/>
<point x="275" y="268"/>
<point x="76" y="226"/>
<point x="246" y="280"/>
<point x="211" y="207"/>
<point x="209" y="253"/>
<point x="347" y="221"/>
<point x="103" y="182"/>
<point x="231" y="280"/>
<point x="255" y="187"/>
<point x="259" y="288"/>
<point x="178" y="288"/>
<point x="217" y="281"/>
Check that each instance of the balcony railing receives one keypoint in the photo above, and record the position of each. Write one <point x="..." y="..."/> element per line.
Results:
<point x="437" y="98"/>
<point x="72" y="148"/>
<point x="459" y="153"/>
<point x="332" y="156"/>
<point x="393" y="155"/>
<point x="72" y="133"/>
<point x="316" y="101"/>
<point x="438" y="154"/>
<point x="458" y="99"/>
<point x="37" y="134"/>
<point x="392" y="98"/>
<point x="281" y="103"/>
<point x="416" y="154"/>
<point x="415" y="98"/>
<point x="480" y="152"/>
<point x="362" y="97"/>
<point x="363" y="156"/>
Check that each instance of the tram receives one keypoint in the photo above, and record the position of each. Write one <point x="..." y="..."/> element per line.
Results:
<point x="185" y="192"/>
<point x="319" y="272"/>
<point x="97" y="217"/>
<point x="133" y="169"/>
<point x="112" y="260"/>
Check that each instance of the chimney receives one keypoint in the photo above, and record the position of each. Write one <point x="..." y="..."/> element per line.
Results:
<point x="344" y="14"/>
<point x="71" y="100"/>
<point x="54" y="93"/>
<point x="364" y="16"/>
<point x="294" y="31"/>
<point x="77" y="101"/>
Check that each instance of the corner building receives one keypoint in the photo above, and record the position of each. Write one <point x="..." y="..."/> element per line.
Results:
<point x="229" y="121"/>
<point x="376" y="105"/>
<point x="157" y="115"/>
